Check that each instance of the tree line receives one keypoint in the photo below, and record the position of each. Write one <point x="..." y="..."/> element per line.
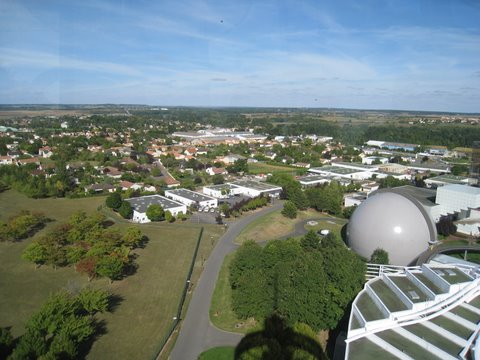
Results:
<point x="87" y="242"/>
<point x="311" y="281"/>
<point x="59" y="329"/>
<point x="21" y="226"/>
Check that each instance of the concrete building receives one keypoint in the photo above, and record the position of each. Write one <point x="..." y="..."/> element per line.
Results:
<point x="141" y="204"/>
<point x="248" y="188"/>
<point x="222" y="191"/>
<point x="354" y="199"/>
<point x="256" y="188"/>
<point x="188" y="198"/>
<point x="446" y="179"/>
<point x="427" y="312"/>
<point x="456" y="199"/>
<point x="313" y="180"/>
<point x="343" y="172"/>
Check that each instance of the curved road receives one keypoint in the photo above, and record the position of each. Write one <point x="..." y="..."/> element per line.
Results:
<point x="197" y="334"/>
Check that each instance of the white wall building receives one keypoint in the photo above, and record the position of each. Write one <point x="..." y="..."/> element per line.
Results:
<point x="188" y="198"/>
<point x="456" y="198"/>
<point x="222" y="191"/>
<point x="141" y="204"/>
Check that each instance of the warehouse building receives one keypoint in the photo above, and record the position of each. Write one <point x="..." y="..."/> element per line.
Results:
<point x="189" y="198"/>
<point x="141" y="204"/>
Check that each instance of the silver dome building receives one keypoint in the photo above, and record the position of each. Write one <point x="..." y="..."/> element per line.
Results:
<point x="394" y="220"/>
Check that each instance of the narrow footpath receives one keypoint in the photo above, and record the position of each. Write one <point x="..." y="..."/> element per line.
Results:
<point x="197" y="333"/>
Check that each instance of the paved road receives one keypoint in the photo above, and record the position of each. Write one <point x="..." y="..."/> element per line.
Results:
<point x="197" y="334"/>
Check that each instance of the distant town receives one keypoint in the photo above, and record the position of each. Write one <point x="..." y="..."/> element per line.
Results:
<point x="222" y="202"/>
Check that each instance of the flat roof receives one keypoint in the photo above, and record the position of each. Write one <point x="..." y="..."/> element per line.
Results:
<point x="221" y="187"/>
<point x="190" y="195"/>
<point x="142" y="203"/>
<point x="448" y="178"/>
<point x="256" y="185"/>
<point x="423" y="195"/>
<point x="356" y="165"/>
<point x="312" y="178"/>
<point x="337" y="170"/>
<point x="461" y="188"/>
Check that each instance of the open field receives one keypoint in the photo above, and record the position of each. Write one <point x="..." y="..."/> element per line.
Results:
<point x="221" y="313"/>
<point x="275" y="225"/>
<point x="264" y="168"/>
<point x="334" y="225"/>
<point x="149" y="298"/>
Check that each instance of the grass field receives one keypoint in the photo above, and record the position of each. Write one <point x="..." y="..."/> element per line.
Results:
<point x="218" y="353"/>
<point x="273" y="225"/>
<point x="221" y="313"/>
<point x="334" y="225"/>
<point x="149" y="297"/>
<point x="264" y="168"/>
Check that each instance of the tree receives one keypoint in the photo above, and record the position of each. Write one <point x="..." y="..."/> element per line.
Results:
<point x="6" y="342"/>
<point x="225" y="209"/>
<point x="35" y="253"/>
<point x="456" y="170"/>
<point x="114" y="201"/>
<point x="310" y="241"/>
<point x="87" y="266"/>
<point x="111" y="267"/>
<point x="93" y="300"/>
<point x="133" y="237"/>
<point x="348" y="211"/>
<point x="125" y="210"/>
<point x="379" y="256"/>
<point x="289" y="210"/>
<point x="61" y="325"/>
<point x="445" y="226"/>
<point x="218" y="179"/>
<point x="155" y="212"/>
<point x="169" y="217"/>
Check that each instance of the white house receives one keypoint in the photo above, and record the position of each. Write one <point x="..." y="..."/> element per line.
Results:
<point x="188" y="198"/>
<point x="141" y="204"/>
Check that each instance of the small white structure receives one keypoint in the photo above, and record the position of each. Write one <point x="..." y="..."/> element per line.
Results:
<point x="188" y="198"/>
<point x="354" y="199"/>
<point x="222" y="191"/>
<point x="141" y="204"/>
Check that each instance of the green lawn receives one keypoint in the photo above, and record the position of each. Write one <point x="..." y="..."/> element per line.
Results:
<point x="264" y="168"/>
<point x="273" y="225"/>
<point x="218" y="353"/>
<point x="221" y="313"/>
<point x="149" y="297"/>
<point x="334" y="225"/>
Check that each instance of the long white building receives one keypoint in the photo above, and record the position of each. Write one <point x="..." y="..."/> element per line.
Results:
<point x="427" y="312"/>
<point x="189" y="197"/>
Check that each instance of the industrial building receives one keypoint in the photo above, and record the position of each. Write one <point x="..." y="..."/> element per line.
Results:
<point x="189" y="197"/>
<point x="141" y="204"/>
<point x="248" y="188"/>
<point x="427" y="312"/>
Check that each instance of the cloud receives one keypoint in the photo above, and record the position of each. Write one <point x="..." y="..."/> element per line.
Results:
<point x="37" y="59"/>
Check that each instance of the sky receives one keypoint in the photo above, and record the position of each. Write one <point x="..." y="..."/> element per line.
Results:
<point x="383" y="54"/>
